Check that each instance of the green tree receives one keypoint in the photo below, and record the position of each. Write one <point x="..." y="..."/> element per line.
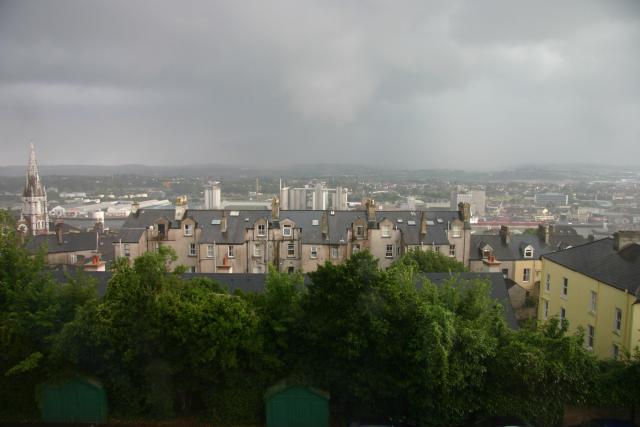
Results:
<point x="430" y="262"/>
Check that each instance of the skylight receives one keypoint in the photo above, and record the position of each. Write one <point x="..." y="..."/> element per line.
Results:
<point x="315" y="222"/>
<point x="439" y="220"/>
<point x="234" y="213"/>
<point x="429" y="222"/>
<point x="411" y="222"/>
<point x="400" y="220"/>
<point x="216" y="222"/>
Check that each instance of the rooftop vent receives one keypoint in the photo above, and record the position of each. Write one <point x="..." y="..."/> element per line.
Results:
<point x="439" y="220"/>
<point x="332" y="212"/>
<point x="430" y="222"/>
<point x="315" y="222"/>
<point x="246" y="219"/>
<point x="400" y="220"/>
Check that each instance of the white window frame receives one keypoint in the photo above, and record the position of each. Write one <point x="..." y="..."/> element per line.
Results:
<point x="314" y="252"/>
<point x="388" y="252"/>
<point x="565" y="287"/>
<point x="452" y="250"/>
<point x="188" y="230"/>
<point x="526" y="275"/>
<point x="360" y="231"/>
<point x="192" y="249"/>
<point x="455" y="232"/>
<point x="355" y="248"/>
<point x="262" y="230"/>
<point x="528" y="252"/>
<point x="546" y="309"/>
<point x="594" y="301"/>
<point x="563" y="314"/>
<point x="257" y="249"/>
<point x="547" y="285"/>
<point x="386" y="231"/>
<point x="231" y="253"/>
<point x="286" y="231"/>
<point x="591" y="336"/>
<point x="436" y="248"/>
<point x="127" y="250"/>
<point x="335" y="252"/>
<point x="73" y="258"/>
<point x="291" y="250"/>
<point x="210" y="251"/>
<point x="192" y="269"/>
<point x="617" y="320"/>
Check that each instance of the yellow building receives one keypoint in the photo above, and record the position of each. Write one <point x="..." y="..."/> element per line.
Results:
<point x="596" y="286"/>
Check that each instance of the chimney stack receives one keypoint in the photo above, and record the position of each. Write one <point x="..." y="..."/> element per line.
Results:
<point x="465" y="211"/>
<point x="181" y="207"/>
<point x="223" y="222"/>
<point x="275" y="208"/>
<point x="622" y="239"/>
<point x="371" y="211"/>
<point x="544" y="232"/>
<point x="135" y="208"/>
<point x="59" y="236"/>
<point x="505" y="234"/>
<point x="423" y="224"/>
<point x="324" y="224"/>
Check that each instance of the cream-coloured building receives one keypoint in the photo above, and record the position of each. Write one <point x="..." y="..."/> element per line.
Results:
<point x="247" y="241"/>
<point x="595" y="286"/>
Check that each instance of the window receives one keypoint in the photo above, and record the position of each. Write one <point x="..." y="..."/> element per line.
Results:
<point x="436" y="248"/>
<point x="230" y="251"/>
<point x="526" y="274"/>
<point x="355" y="249"/>
<point x="615" y="352"/>
<point x="388" y="253"/>
<point x="291" y="250"/>
<point x="314" y="252"/>
<point x="360" y="231"/>
<point x="192" y="269"/>
<point x="565" y="287"/>
<point x="486" y="253"/>
<point x="257" y="249"/>
<point x="127" y="250"/>
<point x="617" y="321"/>
<point x="505" y="273"/>
<point x="528" y="252"/>
<point x="210" y="251"/>
<point x="291" y="270"/>
<point x="546" y="309"/>
<point x="547" y="283"/>
<point x="262" y="230"/>
<point x="188" y="230"/>
<point x="386" y="231"/>
<point x="594" y="301"/>
<point x="286" y="230"/>
<point x="73" y="258"/>
<point x="563" y="314"/>
<point x="398" y="250"/>
<point x="591" y="333"/>
<point x="334" y="252"/>
<point x="452" y="250"/>
<point x="192" y="249"/>
<point x="455" y="232"/>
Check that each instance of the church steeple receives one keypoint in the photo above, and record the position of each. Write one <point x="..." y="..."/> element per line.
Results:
<point x="34" y="209"/>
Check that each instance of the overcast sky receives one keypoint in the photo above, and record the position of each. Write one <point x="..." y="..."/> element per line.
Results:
<point x="424" y="84"/>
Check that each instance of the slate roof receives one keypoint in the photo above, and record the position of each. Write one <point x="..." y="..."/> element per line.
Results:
<point x="564" y="236"/>
<point x="338" y="224"/>
<point x="600" y="261"/>
<point x="508" y="252"/>
<point x="128" y="235"/>
<point x="247" y="282"/>
<point x="72" y="242"/>
<point x="498" y="289"/>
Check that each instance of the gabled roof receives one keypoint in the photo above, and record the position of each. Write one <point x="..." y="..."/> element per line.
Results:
<point x="508" y="252"/>
<point x="600" y="261"/>
<point x="72" y="242"/>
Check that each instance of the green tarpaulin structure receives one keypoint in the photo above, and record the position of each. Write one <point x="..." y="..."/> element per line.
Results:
<point x="73" y="400"/>
<point x="296" y="406"/>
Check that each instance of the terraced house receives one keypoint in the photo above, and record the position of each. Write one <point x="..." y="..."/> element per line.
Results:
<point x="247" y="241"/>
<point x="596" y="286"/>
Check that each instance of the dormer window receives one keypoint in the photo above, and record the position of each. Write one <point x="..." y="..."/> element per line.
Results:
<point x="528" y="252"/>
<point x="360" y="231"/>
<point x="262" y="230"/>
<point x="386" y="231"/>
<point x="188" y="230"/>
<point x="455" y="232"/>
<point x="286" y="231"/>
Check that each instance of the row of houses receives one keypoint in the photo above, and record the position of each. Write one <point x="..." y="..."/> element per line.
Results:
<point x="247" y="241"/>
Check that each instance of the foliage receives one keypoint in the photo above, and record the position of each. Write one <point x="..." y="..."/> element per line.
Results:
<point x="381" y="342"/>
<point x="430" y="262"/>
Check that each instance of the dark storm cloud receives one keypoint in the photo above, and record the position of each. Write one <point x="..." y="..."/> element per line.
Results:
<point x="415" y="84"/>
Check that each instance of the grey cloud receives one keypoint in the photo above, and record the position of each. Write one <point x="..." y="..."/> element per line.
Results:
<point x="411" y="84"/>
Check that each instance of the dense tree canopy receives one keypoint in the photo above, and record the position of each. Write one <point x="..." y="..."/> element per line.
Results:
<point x="381" y="342"/>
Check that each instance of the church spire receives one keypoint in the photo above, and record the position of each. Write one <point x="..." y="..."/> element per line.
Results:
<point x="33" y="187"/>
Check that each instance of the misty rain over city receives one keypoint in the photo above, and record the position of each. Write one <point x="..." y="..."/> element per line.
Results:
<point x="320" y="213"/>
